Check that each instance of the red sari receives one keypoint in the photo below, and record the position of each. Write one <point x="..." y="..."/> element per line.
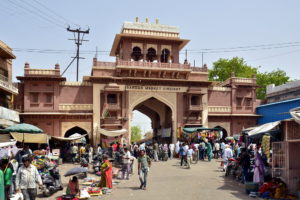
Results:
<point x="106" y="175"/>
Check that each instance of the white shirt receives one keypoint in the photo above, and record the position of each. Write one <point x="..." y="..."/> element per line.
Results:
<point x="190" y="152"/>
<point x="217" y="146"/>
<point x="186" y="147"/>
<point x="28" y="177"/>
<point x="227" y="154"/>
<point x="127" y="157"/>
<point x="171" y="147"/>
<point x="222" y="145"/>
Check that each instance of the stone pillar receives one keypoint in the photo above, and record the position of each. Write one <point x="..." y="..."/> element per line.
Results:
<point x="96" y="114"/>
<point x="158" y="53"/>
<point x="144" y="51"/>
<point x="205" y="108"/>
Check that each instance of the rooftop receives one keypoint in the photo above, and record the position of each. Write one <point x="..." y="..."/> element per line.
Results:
<point x="149" y="27"/>
<point x="272" y="89"/>
<point x="6" y="51"/>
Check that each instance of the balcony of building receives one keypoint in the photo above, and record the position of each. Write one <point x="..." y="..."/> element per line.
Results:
<point x="8" y="85"/>
<point x="238" y="81"/>
<point x="111" y="121"/>
<point x="42" y="72"/>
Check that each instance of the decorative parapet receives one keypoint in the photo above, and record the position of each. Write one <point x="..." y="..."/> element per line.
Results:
<point x="70" y="83"/>
<point x="217" y="88"/>
<point x="238" y="80"/>
<point x="8" y="85"/>
<point x="70" y="107"/>
<point x="53" y="72"/>
<point x="221" y="109"/>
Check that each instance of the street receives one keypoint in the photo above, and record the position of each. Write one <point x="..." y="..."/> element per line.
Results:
<point x="167" y="180"/>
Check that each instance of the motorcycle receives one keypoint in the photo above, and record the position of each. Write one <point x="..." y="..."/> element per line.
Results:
<point x="84" y="160"/>
<point x="52" y="182"/>
<point x="97" y="162"/>
<point x="232" y="167"/>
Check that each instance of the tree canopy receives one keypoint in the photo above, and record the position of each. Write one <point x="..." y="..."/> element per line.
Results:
<point x="223" y="68"/>
<point x="136" y="133"/>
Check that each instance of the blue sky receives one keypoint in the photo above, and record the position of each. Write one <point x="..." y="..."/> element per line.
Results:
<point x="208" y="24"/>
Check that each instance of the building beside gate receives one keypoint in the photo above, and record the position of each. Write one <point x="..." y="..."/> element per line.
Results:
<point x="146" y="76"/>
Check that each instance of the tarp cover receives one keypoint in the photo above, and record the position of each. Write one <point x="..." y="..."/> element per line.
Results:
<point x="263" y="128"/>
<point x="113" y="133"/>
<point x="69" y="138"/>
<point x="295" y="112"/>
<point x="5" y="137"/>
<point x="23" y="128"/>
<point x="31" y="137"/>
<point x="6" y="144"/>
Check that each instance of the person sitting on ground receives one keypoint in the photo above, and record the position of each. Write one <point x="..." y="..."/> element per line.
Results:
<point x="73" y="187"/>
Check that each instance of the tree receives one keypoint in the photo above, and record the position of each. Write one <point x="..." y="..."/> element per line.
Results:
<point x="223" y="68"/>
<point x="136" y="133"/>
<point x="277" y="77"/>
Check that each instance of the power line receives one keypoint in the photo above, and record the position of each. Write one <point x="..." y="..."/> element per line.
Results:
<point x="276" y="55"/>
<point x="32" y="12"/>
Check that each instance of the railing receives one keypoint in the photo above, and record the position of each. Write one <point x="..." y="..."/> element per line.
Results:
<point x="238" y="80"/>
<point x="8" y="85"/>
<point x="112" y="120"/>
<point x="196" y="107"/>
<point x="53" y="72"/>
<point x="113" y="106"/>
<point x="125" y="63"/>
<point x="70" y="107"/>
<point x="221" y="109"/>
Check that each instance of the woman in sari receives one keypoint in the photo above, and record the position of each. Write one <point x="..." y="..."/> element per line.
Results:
<point x="258" y="176"/>
<point x="73" y="186"/>
<point x="209" y="151"/>
<point x="2" y="190"/>
<point x="106" y="173"/>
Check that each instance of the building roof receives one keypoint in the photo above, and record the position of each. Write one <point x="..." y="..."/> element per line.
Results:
<point x="280" y="102"/>
<point x="6" y="51"/>
<point x="150" y="27"/>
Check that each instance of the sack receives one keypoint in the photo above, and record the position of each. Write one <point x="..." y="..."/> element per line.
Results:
<point x="17" y="196"/>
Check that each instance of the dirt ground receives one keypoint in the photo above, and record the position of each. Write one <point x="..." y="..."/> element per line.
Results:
<point x="168" y="180"/>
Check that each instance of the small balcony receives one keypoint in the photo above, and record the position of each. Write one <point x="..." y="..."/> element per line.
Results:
<point x="8" y="86"/>
<point x="113" y="107"/>
<point x="111" y="121"/>
<point x="43" y="72"/>
<point x="195" y="107"/>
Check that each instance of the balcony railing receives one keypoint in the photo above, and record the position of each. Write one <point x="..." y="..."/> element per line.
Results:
<point x="238" y="80"/>
<point x="53" y="72"/>
<point x="219" y="109"/>
<point x="8" y="85"/>
<point x="195" y="107"/>
<point x="112" y="106"/>
<point x="111" y="121"/>
<point x="75" y="107"/>
<point x="125" y="63"/>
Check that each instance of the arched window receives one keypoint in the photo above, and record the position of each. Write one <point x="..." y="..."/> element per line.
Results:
<point x="136" y="54"/>
<point x="165" y="54"/>
<point x="151" y="55"/>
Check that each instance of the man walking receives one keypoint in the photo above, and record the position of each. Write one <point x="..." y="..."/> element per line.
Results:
<point x="155" y="149"/>
<point x="144" y="163"/>
<point x="27" y="178"/>
<point x="171" y="148"/>
<point x="126" y="164"/>
<point x="245" y="163"/>
<point x="189" y="155"/>
<point x="74" y="152"/>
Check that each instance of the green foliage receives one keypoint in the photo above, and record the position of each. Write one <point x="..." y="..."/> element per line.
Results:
<point x="223" y="68"/>
<point x="136" y="133"/>
<point x="277" y="77"/>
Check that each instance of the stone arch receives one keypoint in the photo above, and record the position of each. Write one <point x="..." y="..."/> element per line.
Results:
<point x="77" y="129"/>
<point x="224" y="131"/>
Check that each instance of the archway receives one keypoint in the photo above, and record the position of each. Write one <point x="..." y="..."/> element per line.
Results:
<point x="77" y="129"/>
<point x="165" y="54"/>
<point x="224" y="132"/>
<point x="161" y="116"/>
<point x="136" y="54"/>
<point x="151" y="55"/>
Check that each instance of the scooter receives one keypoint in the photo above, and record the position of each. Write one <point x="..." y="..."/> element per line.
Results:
<point x="52" y="182"/>
<point x="232" y="166"/>
<point x="97" y="163"/>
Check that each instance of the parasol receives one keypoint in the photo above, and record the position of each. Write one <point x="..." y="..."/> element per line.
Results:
<point x="76" y="170"/>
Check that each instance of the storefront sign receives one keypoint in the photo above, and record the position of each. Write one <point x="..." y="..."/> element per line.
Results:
<point x="155" y="88"/>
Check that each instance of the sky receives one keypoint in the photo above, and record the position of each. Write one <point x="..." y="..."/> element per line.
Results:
<point x="264" y="33"/>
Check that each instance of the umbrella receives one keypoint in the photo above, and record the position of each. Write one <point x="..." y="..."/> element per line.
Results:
<point x="76" y="170"/>
<point x="75" y="135"/>
<point x="80" y="137"/>
<point x="23" y="128"/>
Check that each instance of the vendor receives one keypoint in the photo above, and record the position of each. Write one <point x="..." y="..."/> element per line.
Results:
<point x="106" y="173"/>
<point x="73" y="186"/>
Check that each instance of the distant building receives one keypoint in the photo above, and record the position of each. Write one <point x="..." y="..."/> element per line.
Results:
<point x="8" y="89"/>
<point x="146" y="76"/>
<point x="280" y="100"/>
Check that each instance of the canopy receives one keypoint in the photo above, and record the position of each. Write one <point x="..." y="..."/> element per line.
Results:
<point x="295" y="112"/>
<point x="30" y="137"/>
<point x="76" y="170"/>
<point x="113" y="133"/>
<point x="263" y="128"/>
<point x="5" y="137"/>
<point x="23" y="128"/>
<point x="76" y="137"/>
<point x="197" y="129"/>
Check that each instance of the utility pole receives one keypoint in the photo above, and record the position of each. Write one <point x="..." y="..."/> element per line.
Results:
<point x="78" y="42"/>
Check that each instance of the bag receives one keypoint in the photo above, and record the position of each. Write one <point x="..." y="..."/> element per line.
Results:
<point x="17" y="196"/>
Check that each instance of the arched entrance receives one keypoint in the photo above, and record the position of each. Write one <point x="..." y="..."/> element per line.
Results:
<point x="224" y="132"/>
<point x="161" y="116"/>
<point x="78" y="130"/>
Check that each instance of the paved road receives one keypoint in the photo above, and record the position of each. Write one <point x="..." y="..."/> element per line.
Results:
<point x="167" y="180"/>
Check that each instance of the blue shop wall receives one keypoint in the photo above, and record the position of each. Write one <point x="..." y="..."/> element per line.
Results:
<point x="276" y="111"/>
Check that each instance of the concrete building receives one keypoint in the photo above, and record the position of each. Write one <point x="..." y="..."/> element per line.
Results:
<point x="8" y="89"/>
<point x="147" y="77"/>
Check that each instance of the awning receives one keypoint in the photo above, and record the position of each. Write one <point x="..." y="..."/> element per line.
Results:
<point x="197" y="129"/>
<point x="8" y="114"/>
<point x="69" y="138"/>
<point x="295" y="112"/>
<point x="263" y="128"/>
<point x="5" y="137"/>
<point x="39" y="138"/>
<point x="112" y="133"/>
<point x="6" y="123"/>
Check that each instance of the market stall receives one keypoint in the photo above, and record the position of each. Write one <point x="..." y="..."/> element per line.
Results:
<point x="200" y="133"/>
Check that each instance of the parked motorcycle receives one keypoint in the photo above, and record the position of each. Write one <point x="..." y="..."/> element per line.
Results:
<point x="232" y="167"/>
<point x="97" y="160"/>
<point x="84" y="160"/>
<point x="52" y="182"/>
